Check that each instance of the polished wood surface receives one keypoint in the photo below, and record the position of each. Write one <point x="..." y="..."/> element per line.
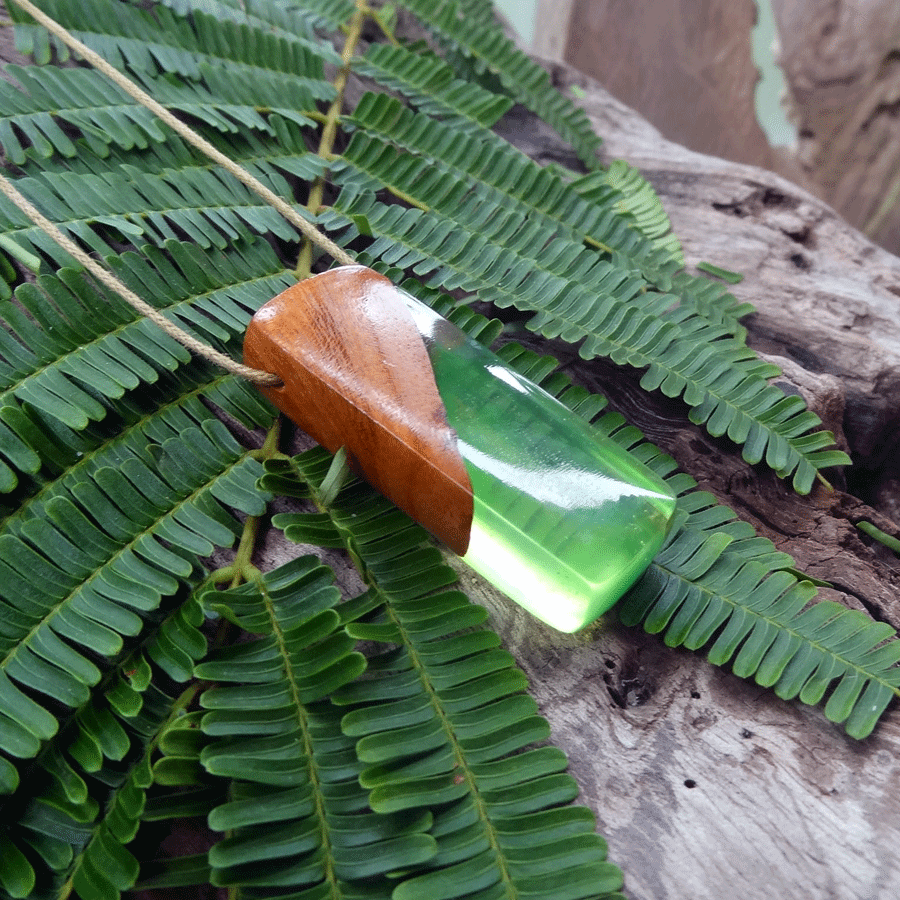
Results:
<point x="356" y="374"/>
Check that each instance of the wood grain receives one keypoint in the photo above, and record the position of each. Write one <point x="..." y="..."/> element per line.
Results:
<point x="356" y="374"/>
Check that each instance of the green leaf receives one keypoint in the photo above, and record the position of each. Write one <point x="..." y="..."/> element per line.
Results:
<point x="448" y="735"/>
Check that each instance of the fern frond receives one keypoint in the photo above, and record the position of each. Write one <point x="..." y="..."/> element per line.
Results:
<point x="524" y="79"/>
<point x="441" y="722"/>
<point x="639" y="199"/>
<point x="291" y="22"/>
<point x="508" y="260"/>
<point x="210" y="207"/>
<point x="105" y="114"/>
<point x="497" y="174"/>
<point x="429" y="83"/>
<point x="87" y="795"/>
<point x="161" y="41"/>
<point x="716" y="583"/>
<point x="86" y="563"/>
<point x="69" y="349"/>
<point x="294" y="777"/>
<point x="761" y="623"/>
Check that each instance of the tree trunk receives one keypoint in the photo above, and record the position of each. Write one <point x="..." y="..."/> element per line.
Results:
<point x="842" y="66"/>
<point x="686" y="65"/>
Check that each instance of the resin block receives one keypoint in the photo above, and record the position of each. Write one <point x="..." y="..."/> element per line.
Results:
<point x="557" y="517"/>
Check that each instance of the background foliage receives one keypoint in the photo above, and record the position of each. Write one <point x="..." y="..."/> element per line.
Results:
<point x="137" y="686"/>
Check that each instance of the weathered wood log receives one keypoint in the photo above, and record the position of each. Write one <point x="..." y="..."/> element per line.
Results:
<point x="702" y="782"/>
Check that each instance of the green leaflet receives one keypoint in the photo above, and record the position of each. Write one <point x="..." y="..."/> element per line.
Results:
<point x="442" y="722"/>
<point x="87" y="795"/>
<point x="526" y="81"/>
<point x="293" y="775"/>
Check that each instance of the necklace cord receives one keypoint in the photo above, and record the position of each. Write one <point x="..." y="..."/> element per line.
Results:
<point x="102" y="274"/>
<point x="307" y="229"/>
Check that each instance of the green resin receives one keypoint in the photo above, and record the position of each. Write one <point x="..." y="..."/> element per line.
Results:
<point x="565" y="520"/>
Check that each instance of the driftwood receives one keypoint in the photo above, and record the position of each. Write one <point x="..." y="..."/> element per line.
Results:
<point x="842" y="66"/>
<point x="685" y="65"/>
<point x="703" y="783"/>
<point x="706" y="785"/>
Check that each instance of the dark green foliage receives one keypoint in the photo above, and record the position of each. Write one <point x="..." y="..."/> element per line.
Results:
<point x="124" y="464"/>
<point x="442" y="711"/>
<point x="429" y="83"/>
<point x="489" y="50"/>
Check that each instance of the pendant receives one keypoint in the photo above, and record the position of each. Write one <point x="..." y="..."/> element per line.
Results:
<point x="560" y="519"/>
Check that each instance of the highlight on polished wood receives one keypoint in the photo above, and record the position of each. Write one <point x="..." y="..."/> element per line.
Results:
<point x="356" y="374"/>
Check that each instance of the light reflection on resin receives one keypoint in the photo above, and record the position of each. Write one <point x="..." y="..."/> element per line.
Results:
<point x="564" y="521"/>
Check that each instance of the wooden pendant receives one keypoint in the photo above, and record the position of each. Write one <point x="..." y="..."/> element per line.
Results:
<point x="356" y="374"/>
<point x="559" y="518"/>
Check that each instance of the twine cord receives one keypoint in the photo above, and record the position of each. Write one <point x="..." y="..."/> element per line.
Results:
<point x="257" y="376"/>
<point x="307" y="229"/>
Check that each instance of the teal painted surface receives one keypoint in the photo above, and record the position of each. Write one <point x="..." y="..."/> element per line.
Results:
<point x="769" y="90"/>
<point x="522" y="15"/>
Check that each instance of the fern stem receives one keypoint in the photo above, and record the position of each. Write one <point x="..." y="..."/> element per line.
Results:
<point x="598" y="245"/>
<point x="890" y="542"/>
<point x="243" y="568"/>
<point x="308" y="749"/>
<point x="330" y="130"/>
<point x="407" y="198"/>
<point x="384" y="27"/>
